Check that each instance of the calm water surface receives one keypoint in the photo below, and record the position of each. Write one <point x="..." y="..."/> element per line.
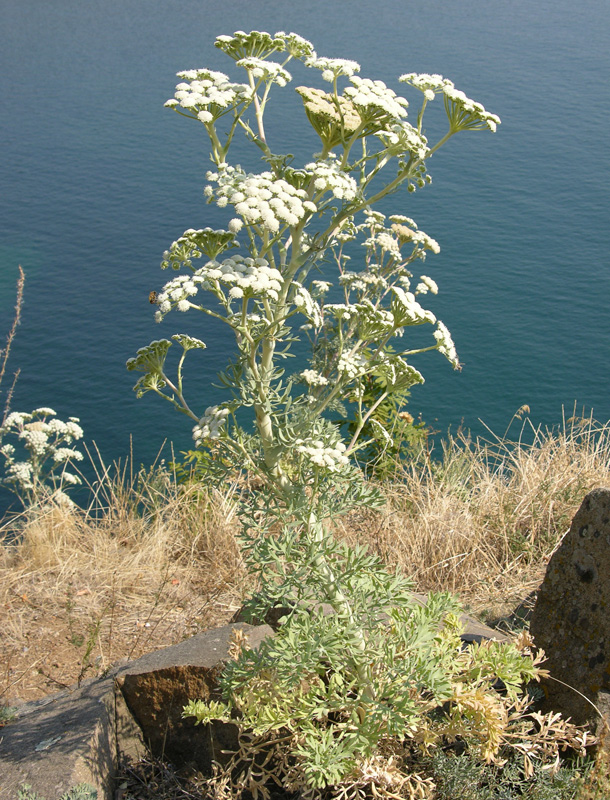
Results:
<point x="98" y="178"/>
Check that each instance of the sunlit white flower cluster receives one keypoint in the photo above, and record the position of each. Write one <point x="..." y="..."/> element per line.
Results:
<point x="260" y="199"/>
<point x="428" y="84"/>
<point x="426" y="285"/>
<point x="406" y="309"/>
<point x="351" y="365"/>
<point x="363" y="281"/>
<point x="265" y="70"/>
<point x="296" y="45"/>
<point x="243" y="277"/>
<point x="331" y="458"/>
<point x="372" y="98"/>
<point x="385" y="242"/>
<point x="329" y="177"/>
<point x="208" y="93"/>
<point x="313" y="378"/>
<point x="465" y="113"/>
<point x="446" y="345"/>
<point x="401" y="137"/>
<point x="333" y="67"/>
<point x="307" y="305"/>
<point x="210" y="425"/>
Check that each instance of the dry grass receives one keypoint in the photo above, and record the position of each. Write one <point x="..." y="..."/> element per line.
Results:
<point x="146" y="566"/>
<point x="150" y="563"/>
<point x="483" y="520"/>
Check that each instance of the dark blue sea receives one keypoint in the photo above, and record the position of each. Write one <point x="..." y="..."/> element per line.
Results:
<point x="97" y="179"/>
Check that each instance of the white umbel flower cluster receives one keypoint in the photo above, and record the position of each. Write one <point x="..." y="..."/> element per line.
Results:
<point x="332" y="457"/>
<point x="351" y="365"/>
<point x="207" y="94"/>
<point x="313" y="378"/>
<point x="467" y="113"/>
<point x="269" y="71"/>
<point x="243" y="277"/>
<point x="260" y="199"/>
<point x="210" y="425"/>
<point x="426" y="285"/>
<point x="406" y="309"/>
<point x="445" y="344"/>
<point x="401" y="137"/>
<point x="333" y="67"/>
<point x="307" y="305"/>
<point x="372" y="98"/>
<point x="428" y="84"/>
<point x="329" y="177"/>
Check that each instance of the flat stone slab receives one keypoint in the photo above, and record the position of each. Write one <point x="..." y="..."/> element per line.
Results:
<point x="67" y="739"/>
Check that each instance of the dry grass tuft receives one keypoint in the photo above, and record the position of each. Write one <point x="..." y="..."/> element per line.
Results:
<point x="483" y="520"/>
<point x="147" y="565"/>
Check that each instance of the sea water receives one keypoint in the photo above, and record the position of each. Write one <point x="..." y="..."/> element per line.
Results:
<point x="98" y="179"/>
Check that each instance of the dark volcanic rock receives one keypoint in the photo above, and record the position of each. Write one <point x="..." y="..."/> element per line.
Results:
<point x="571" y="620"/>
<point x="158" y="686"/>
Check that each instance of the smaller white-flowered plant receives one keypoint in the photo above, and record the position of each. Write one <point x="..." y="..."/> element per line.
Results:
<point x="46" y="444"/>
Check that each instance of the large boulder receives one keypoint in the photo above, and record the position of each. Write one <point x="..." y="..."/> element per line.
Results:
<point x="571" y="619"/>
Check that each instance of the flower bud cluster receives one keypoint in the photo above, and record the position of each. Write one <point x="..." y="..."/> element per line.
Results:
<point x="331" y="458"/>
<point x="208" y="93"/>
<point x="374" y="98"/>
<point x="322" y="108"/>
<point x="209" y="426"/>
<point x="260" y="199"/>
<point x="329" y="177"/>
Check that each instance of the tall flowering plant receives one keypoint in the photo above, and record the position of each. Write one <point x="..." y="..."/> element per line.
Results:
<point x="339" y="683"/>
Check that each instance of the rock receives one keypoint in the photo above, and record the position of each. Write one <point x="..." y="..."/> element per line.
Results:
<point x="571" y="619"/>
<point x="67" y="739"/>
<point x="159" y="685"/>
